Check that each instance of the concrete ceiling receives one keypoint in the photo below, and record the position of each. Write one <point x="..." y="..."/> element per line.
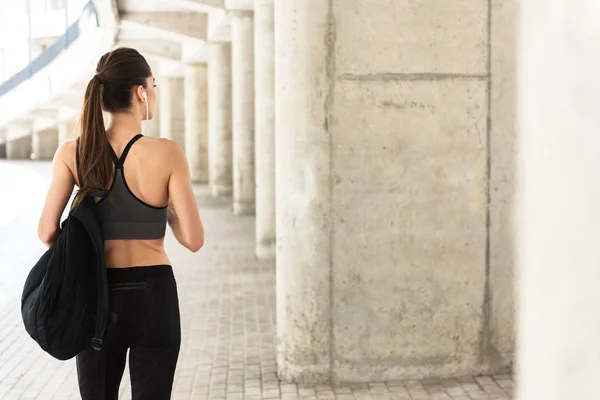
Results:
<point x="169" y="25"/>
<point x="172" y="30"/>
<point x="169" y="5"/>
<point x="156" y="48"/>
<point x="150" y="5"/>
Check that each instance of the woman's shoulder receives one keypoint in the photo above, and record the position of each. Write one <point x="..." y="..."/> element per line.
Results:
<point x="160" y="155"/>
<point x="66" y="154"/>
<point x="66" y="150"/>
<point x="162" y="146"/>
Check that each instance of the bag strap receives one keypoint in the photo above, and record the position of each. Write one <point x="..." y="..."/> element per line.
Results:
<point x="104" y="321"/>
<point x="102" y="291"/>
<point x="101" y="282"/>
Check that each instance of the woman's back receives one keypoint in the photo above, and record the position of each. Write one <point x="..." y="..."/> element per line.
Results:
<point x="146" y="173"/>
<point x="136" y="204"/>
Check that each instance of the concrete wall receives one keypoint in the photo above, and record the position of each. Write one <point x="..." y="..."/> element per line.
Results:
<point x="152" y="127"/>
<point x="44" y="144"/>
<point x="498" y="344"/>
<point x="421" y="148"/>
<point x="19" y="149"/>
<point x="171" y="110"/>
<point x="414" y="250"/>
<point x="177" y="111"/>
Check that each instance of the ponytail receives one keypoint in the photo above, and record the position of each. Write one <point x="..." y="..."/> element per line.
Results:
<point x="95" y="166"/>
<point x="118" y="72"/>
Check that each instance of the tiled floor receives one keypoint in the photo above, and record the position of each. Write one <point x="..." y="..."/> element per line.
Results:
<point x="227" y="306"/>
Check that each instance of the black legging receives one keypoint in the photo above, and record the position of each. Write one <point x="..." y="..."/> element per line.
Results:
<point x="145" y="302"/>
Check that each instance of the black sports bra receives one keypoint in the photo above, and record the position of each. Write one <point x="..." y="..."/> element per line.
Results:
<point x="122" y="214"/>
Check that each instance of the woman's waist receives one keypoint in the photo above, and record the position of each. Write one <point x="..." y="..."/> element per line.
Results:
<point x="130" y="277"/>
<point x="131" y="253"/>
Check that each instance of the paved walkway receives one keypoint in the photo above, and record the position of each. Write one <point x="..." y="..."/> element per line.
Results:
<point x="227" y="303"/>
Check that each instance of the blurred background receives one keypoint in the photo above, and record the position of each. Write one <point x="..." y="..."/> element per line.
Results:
<point x="399" y="195"/>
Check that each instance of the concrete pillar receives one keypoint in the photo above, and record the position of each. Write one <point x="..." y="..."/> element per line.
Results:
<point x="171" y="109"/>
<point x="196" y="120"/>
<point x="499" y="345"/>
<point x="344" y="247"/>
<point x="67" y="129"/>
<point x="44" y="144"/>
<point x="558" y="212"/>
<point x="264" y="68"/>
<point x="19" y="149"/>
<point x="152" y="127"/>
<point x="36" y="146"/>
<point x="12" y="150"/>
<point x="3" y="144"/>
<point x="302" y="193"/>
<point x="242" y="71"/>
<point x="219" y="119"/>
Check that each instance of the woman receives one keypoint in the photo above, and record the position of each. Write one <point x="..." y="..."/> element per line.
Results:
<point x="149" y="184"/>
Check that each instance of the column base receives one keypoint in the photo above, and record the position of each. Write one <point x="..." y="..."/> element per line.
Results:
<point x="221" y="190"/>
<point x="303" y="375"/>
<point x="200" y="180"/>
<point x="240" y="208"/>
<point x="198" y="174"/>
<point x="266" y="249"/>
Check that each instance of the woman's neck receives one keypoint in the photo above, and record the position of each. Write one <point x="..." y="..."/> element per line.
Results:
<point x="124" y="125"/>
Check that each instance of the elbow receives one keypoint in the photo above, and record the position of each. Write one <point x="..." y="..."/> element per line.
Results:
<point x="47" y="235"/>
<point x="195" y="244"/>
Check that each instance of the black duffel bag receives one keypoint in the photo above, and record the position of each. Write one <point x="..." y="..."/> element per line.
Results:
<point x="65" y="298"/>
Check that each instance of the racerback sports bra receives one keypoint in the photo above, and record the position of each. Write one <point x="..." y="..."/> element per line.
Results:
<point x="122" y="214"/>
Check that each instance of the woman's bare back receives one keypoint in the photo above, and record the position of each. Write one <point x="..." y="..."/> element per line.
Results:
<point x="151" y="168"/>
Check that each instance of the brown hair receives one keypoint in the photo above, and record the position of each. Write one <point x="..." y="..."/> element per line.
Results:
<point x="117" y="74"/>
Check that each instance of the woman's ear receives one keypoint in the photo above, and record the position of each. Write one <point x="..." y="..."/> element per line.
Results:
<point x="140" y="93"/>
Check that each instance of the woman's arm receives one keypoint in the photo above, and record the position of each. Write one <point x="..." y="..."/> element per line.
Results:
<point x="184" y="218"/>
<point x="58" y="196"/>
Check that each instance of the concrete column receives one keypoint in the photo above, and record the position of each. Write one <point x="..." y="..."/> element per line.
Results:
<point x="171" y="109"/>
<point x="36" y="146"/>
<point x="219" y="119"/>
<point x="67" y="129"/>
<point x="264" y="67"/>
<point x="242" y="71"/>
<point x="12" y="150"/>
<point x="19" y="149"/>
<point x="558" y="212"/>
<point x="44" y="144"/>
<point x="302" y="192"/>
<point x="152" y="127"/>
<point x="196" y="120"/>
